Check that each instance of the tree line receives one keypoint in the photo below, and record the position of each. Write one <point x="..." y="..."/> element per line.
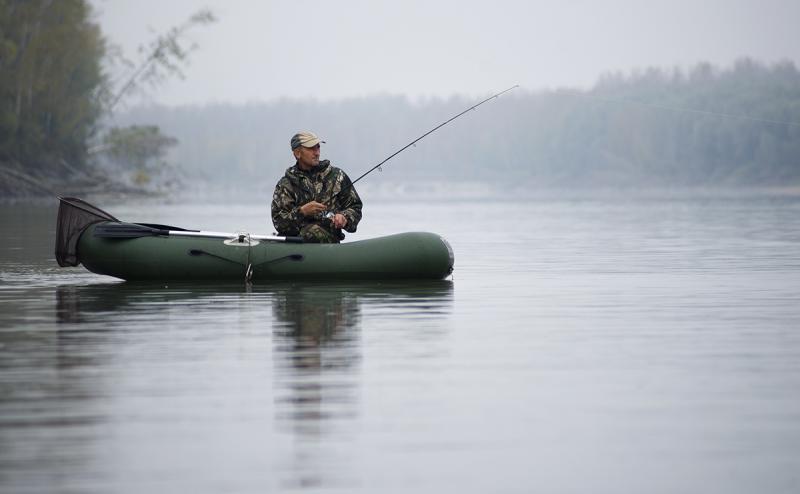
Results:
<point x="705" y="126"/>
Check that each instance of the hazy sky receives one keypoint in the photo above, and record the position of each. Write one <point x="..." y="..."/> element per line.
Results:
<point x="261" y="50"/>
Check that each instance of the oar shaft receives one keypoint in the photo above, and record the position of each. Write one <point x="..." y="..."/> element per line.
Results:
<point x="135" y="230"/>
<point x="208" y="234"/>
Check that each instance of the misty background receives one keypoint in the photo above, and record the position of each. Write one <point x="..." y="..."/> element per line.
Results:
<point x="608" y="136"/>
<point x="613" y="94"/>
<point x="266" y="50"/>
<point x="188" y="95"/>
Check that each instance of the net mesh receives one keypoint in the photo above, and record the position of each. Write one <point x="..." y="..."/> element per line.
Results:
<point x="74" y="216"/>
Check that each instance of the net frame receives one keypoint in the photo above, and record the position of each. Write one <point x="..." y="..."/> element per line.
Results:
<point x="74" y="217"/>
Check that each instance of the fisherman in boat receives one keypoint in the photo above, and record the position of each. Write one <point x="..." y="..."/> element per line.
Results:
<point x="314" y="199"/>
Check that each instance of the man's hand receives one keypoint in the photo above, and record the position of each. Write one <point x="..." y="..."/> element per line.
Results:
<point x="312" y="208"/>
<point x="339" y="220"/>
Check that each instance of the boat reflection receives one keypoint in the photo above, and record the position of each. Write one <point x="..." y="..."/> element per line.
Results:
<point x="317" y="310"/>
<point x="316" y="332"/>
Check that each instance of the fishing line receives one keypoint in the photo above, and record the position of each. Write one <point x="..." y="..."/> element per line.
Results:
<point x="432" y="131"/>
<point x="329" y="214"/>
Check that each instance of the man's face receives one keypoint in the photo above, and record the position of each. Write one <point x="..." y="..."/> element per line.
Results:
<point x="307" y="158"/>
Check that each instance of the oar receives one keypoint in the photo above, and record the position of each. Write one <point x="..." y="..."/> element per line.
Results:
<point x="134" y="230"/>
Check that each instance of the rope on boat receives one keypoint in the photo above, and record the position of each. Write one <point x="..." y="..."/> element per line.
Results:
<point x="242" y="238"/>
<point x="248" y="273"/>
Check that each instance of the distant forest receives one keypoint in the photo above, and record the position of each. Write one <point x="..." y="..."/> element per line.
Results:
<point x="706" y="126"/>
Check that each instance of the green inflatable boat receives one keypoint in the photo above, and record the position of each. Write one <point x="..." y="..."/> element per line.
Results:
<point x="144" y="251"/>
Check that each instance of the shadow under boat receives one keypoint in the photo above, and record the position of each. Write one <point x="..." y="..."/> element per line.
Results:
<point x="291" y="300"/>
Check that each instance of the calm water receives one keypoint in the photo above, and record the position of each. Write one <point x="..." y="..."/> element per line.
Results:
<point x="584" y="345"/>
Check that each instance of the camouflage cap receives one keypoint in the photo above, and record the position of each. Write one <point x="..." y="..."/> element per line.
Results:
<point x="305" y="139"/>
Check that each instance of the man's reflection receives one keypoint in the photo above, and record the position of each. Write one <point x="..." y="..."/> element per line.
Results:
<point x="318" y="350"/>
<point x="316" y="355"/>
<point x="316" y="333"/>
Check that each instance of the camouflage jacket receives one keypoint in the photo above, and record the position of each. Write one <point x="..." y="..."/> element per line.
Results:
<point x="324" y="183"/>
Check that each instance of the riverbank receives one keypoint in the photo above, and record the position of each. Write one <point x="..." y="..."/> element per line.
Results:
<point x="18" y="185"/>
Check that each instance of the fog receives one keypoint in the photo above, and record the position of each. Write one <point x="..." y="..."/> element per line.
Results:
<point x="369" y="77"/>
<point x="261" y="51"/>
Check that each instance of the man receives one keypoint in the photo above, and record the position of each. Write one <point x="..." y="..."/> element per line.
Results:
<point x="314" y="200"/>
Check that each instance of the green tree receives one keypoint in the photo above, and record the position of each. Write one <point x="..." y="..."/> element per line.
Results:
<point x="138" y="149"/>
<point x="50" y="74"/>
<point x="141" y="150"/>
<point x="54" y="91"/>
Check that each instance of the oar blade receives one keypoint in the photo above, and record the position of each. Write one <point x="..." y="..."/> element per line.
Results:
<point x="126" y="230"/>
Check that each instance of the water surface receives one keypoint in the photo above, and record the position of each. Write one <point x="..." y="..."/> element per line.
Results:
<point x="583" y="344"/>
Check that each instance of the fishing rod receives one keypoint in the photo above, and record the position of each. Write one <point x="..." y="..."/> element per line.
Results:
<point x="329" y="214"/>
<point x="431" y="132"/>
